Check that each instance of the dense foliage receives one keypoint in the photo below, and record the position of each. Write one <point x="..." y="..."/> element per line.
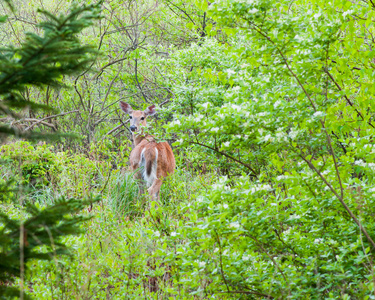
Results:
<point x="33" y="232"/>
<point x="269" y="106"/>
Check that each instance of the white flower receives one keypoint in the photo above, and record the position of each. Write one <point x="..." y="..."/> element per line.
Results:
<point x="294" y="217"/>
<point x="157" y="233"/>
<point x="225" y="205"/>
<point x="230" y="72"/>
<point x="347" y="13"/>
<point x="205" y="105"/>
<point x="200" y="199"/>
<point x="316" y="16"/>
<point x="226" y="144"/>
<point x="215" y="129"/>
<point x="246" y="257"/>
<point x="202" y="264"/>
<point x="281" y="136"/>
<point x="277" y="103"/>
<point x="281" y="177"/>
<point x="173" y="233"/>
<point x="215" y="187"/>
<point x="253" y="11"/>
<point x="267" y="137"/>
<point x="293" y="133"/>
<point x="199" y="118"/>
<point x="318" y="241"/>
<point x="360" y="163"/>
<point x="318" y="114"/>
<point x="258" y="188"/>
<point x="234" y="225"/>
<point x="236" y="88"/>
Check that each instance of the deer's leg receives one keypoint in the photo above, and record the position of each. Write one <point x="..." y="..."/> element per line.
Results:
<point x="154" y="189"/>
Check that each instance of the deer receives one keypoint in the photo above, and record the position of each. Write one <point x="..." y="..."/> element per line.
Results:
<point x="153" y="160"/>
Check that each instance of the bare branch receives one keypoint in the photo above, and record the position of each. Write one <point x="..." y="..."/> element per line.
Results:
<point x="312" y="167"/>
<point x="229" y="156"/>
<point x="136" y="79"/>
<point x="50" y="117"/>
<point x="114" y="129"/>
<point x="346" y="97"/>
<point x="28" y="120"/>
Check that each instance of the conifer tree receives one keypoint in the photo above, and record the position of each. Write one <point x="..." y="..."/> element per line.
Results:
<point x="40" y="61"/>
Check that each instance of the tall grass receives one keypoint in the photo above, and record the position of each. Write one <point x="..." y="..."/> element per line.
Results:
<point x="123" y="195"/>
<point x="45" y="196"/>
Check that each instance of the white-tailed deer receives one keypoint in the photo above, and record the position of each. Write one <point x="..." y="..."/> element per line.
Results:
<point x="155" y="160"/>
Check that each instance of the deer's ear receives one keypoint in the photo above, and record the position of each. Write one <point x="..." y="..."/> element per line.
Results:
<point x="126" y="107"/>
<point x="150" y="111"/>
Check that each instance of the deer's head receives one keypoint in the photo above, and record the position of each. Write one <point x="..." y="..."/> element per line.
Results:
<point x="137" y="117"/>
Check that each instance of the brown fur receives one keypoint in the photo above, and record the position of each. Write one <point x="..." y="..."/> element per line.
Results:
<point x="166" y="161"/>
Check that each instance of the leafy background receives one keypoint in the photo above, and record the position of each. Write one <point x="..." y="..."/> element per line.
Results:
<point x="269" y="106"/>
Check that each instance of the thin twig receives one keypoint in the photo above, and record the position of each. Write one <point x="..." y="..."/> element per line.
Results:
<point x="50" y="117"/>
<point x="229" y="156"/>
<point x="136" y="79"/>
<point x="110" y="87"/>
<point x="221" y="262"/>
<point x="36" y="121"/>
<point x="341" y="201"/>
<point x="346" y="97"/>
<point x="114" y="129"/>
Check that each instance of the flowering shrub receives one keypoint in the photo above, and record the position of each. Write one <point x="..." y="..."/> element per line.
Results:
<point x="287" y="104"/>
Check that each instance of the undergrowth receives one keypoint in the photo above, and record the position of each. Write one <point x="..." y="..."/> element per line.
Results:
<point x="207" y="238"/>
<point x="119" y="255"/>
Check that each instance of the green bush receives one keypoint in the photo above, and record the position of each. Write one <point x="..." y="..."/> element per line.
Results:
<point x="65" y="173"/>
<point x="35" y="165"/>
<point x="80" y="175"/>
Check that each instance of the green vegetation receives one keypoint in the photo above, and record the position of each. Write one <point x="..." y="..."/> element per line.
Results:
<point x="269" y="107"/>
<point x="29" y="231"/>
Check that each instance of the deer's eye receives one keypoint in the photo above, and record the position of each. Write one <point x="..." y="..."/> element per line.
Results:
<point x="142" y="118"/>
<point x="130" y="117"/>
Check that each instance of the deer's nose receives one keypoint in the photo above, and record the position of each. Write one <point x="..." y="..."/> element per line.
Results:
<point x="133" y="128"/>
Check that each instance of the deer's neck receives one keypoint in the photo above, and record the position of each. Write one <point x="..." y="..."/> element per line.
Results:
<point x="138" y="138"/>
